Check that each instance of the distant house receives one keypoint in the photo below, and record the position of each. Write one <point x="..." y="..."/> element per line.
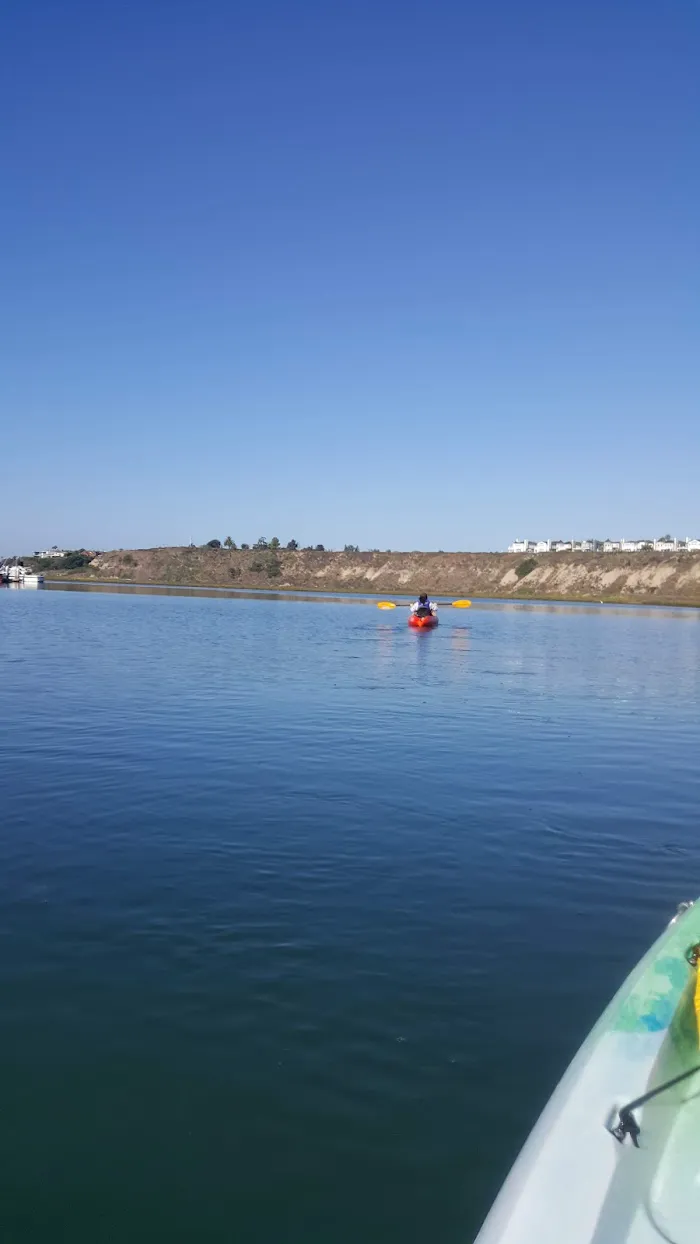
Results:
<point x="665" y="545"/>
<point x="52" y="552"/>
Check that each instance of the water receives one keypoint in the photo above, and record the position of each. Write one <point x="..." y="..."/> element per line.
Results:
<point x="302" y="914"/>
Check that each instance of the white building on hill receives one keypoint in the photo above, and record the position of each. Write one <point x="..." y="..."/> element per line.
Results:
<point x="670" y="545"/>
<point x="54" y="552"/>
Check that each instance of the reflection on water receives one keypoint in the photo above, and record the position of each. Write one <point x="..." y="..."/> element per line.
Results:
<point x="164" y="589"/>
<point x="459" y="638"/>
<point x="353" y="598"/>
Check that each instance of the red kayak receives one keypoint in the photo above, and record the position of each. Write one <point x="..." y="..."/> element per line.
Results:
<point x="424" y="623"/>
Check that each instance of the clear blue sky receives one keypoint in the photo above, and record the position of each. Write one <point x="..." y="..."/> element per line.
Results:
<point x="403" y="275"/>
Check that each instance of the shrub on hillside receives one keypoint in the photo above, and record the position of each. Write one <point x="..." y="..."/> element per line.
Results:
<point x="74" y="560"/>
<point x="268" y="565"/>
<point x="526" y="567"/>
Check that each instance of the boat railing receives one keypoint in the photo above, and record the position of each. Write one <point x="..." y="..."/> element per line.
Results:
<point x="627" y="1125"/>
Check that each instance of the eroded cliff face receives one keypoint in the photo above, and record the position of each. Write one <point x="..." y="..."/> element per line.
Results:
<point x="650" y="577"/>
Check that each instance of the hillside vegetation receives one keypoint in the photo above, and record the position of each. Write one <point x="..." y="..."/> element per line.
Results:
<point x="669" y="578"/>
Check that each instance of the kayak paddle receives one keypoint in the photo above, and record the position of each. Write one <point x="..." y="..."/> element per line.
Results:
<point x="446" y="604"/>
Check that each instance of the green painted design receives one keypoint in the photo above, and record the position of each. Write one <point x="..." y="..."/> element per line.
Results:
<point x="650" y="996"/>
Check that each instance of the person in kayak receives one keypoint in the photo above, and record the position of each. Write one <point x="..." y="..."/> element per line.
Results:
<point x="424" y="606"/>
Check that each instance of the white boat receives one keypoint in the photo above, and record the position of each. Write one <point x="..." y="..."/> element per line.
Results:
<point x="19" y="574"/>
<point x="615" y="1156"/>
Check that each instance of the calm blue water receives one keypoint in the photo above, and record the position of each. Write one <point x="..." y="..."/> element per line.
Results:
<point x="302" y="914"/>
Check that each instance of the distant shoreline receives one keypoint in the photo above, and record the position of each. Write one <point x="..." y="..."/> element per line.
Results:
<point x="650" y="578"/>
<point x="359" y="592"/>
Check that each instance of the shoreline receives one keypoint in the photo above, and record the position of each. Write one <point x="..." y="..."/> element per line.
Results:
<point x="655" y="578"/>
<point x="359" y="592"/>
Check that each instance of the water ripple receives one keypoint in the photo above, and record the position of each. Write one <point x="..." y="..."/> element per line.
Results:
<point x="275" y="878"/>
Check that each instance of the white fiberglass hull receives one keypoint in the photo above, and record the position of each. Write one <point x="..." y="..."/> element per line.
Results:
<point x="574" y="1183"/>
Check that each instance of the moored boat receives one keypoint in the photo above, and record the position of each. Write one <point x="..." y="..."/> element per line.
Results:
<point x="615" y="1156"/>
<point x="20" y="574"/>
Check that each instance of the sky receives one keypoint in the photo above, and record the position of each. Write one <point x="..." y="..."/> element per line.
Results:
<point x="403" y="275"/>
